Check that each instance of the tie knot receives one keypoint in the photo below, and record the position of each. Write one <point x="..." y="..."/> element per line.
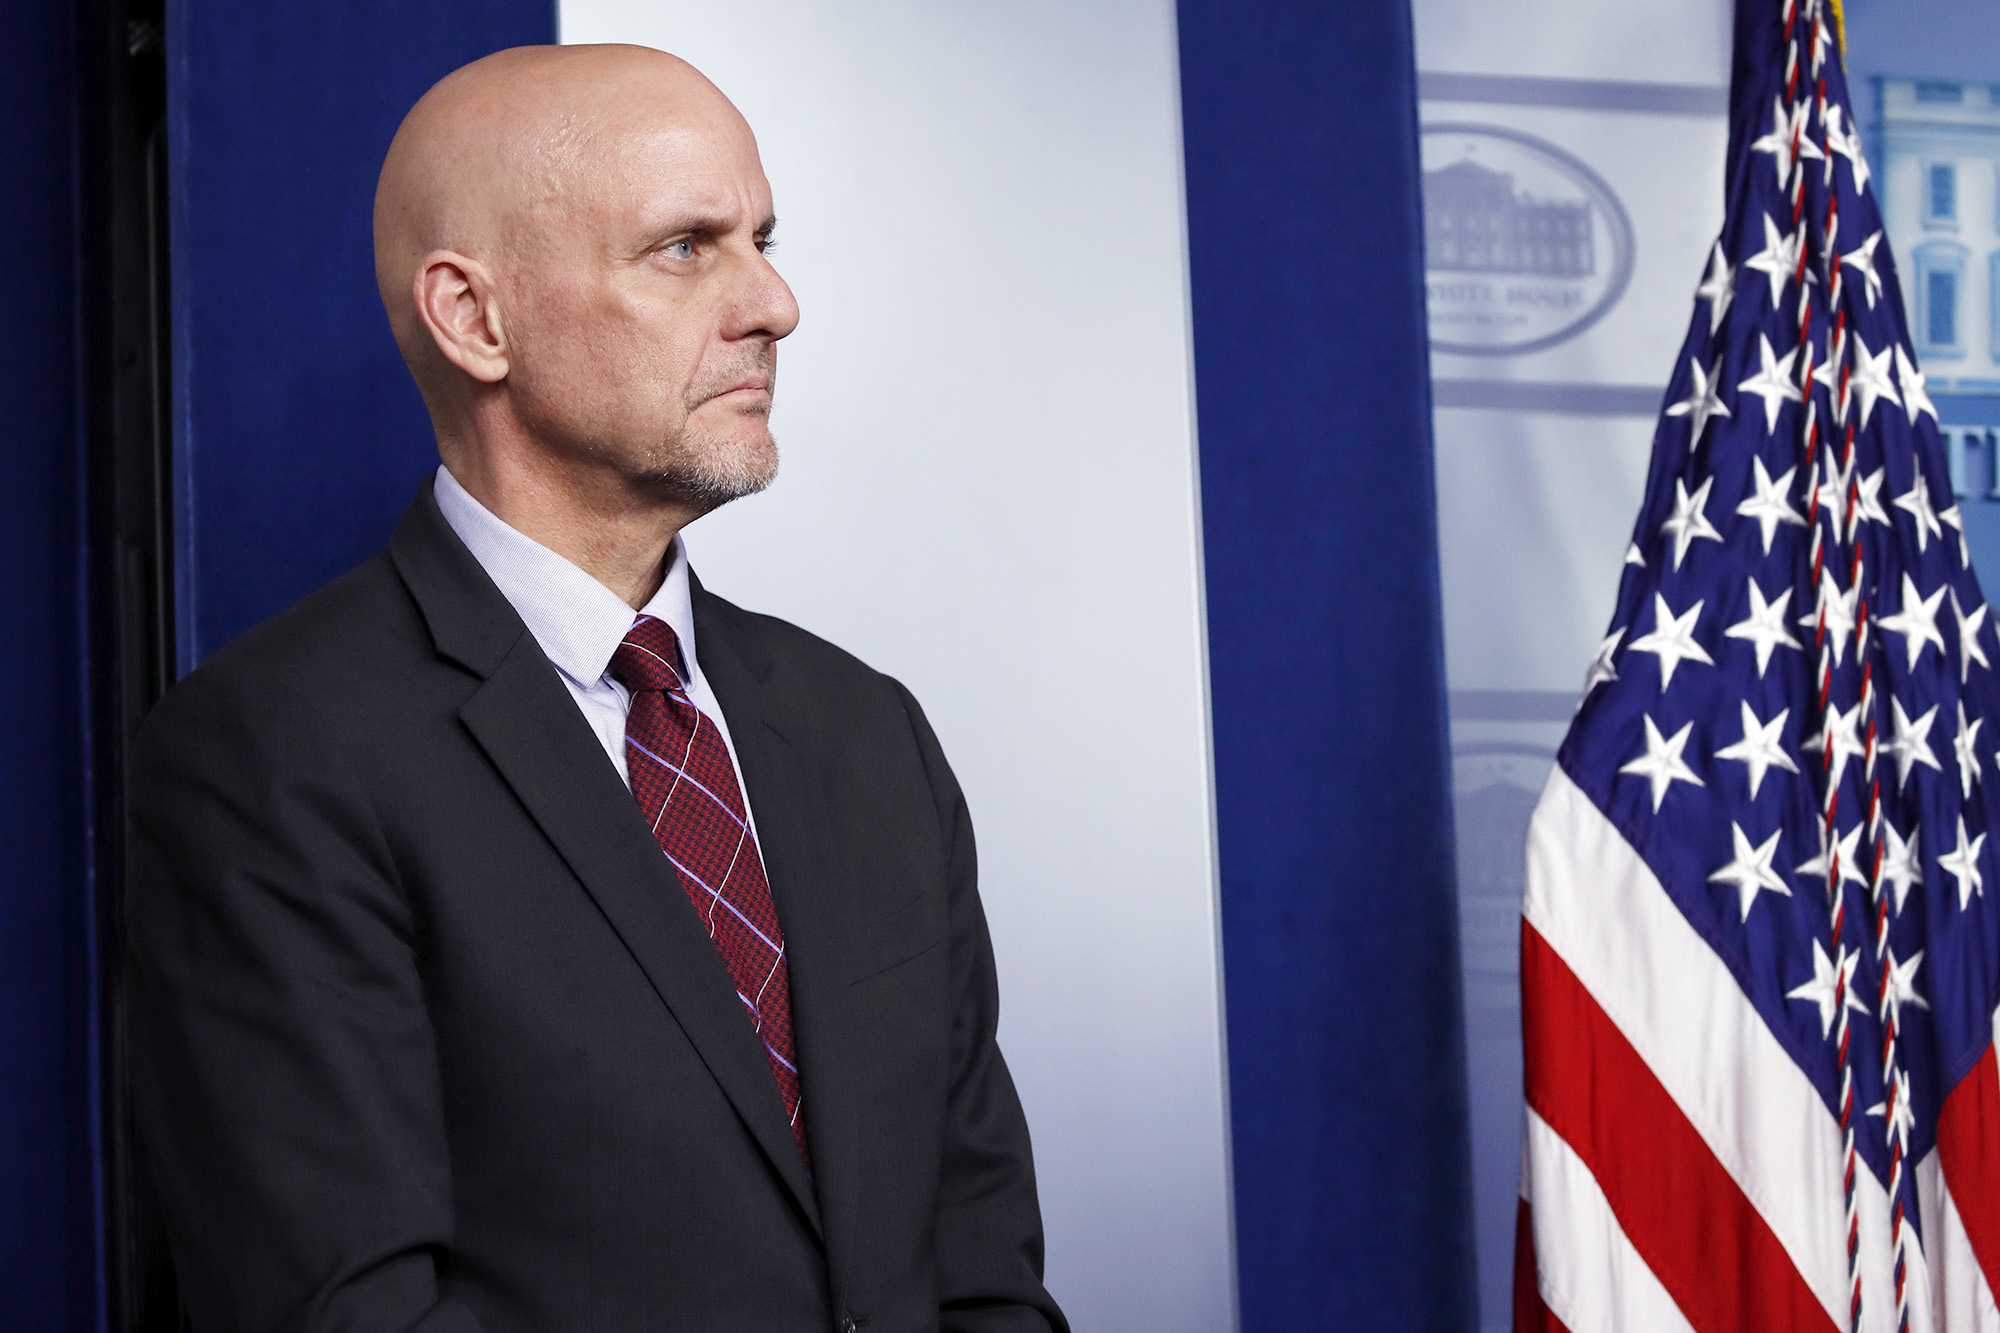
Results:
<point x="649" y="658"/>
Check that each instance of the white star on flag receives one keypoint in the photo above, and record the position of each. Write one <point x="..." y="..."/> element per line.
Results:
<point x="1785" y="131"/>
<point x="1916" y="399"/>
<point x="1773" y="383"/>
<point x="1917" y="621"/>
<point x="1843" y="851"/>
<point x="1834" y="499"/>
<point x="1718" y="288"/>
<point x="1847" y="143"/>
<point x="1751" y="871"/>
<point x="1672" y="640"/>
<point x="1962" y="864"/>
<point x="1970" y="650"/>
<point x="1662" y="765"/>
<point x="1838" y="609"/>
<point x="1688" y="523"/>
<point x="1905" y="1118"/>
<point x="1765" y="626"/>
<point x="1868" y="499"/>
<point x="1771" y="505"/>
<point x="1778" y="260"/>
<point x="1961" y="746"/>
<point x="1954" y="520"/>
<point x="1917" y="501"/>
<point x="1862" y="260"/>
<point x="1760" y="750"/>
<point x="1910" y="745"/>
<point x="1701" y="402"/>
<point x="1903" y="984"/>
<point x="1601" y="669"/>
<point x="1828" y="982"/>
<point x="1632" y="556"/>
<point x="1838" y="741"/>
<point x="1871" y="379"/>
<point x="1902" y="862"/>
<point x="1827" y="374"/>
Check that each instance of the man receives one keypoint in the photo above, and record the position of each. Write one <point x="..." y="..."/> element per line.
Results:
<point x="521" y="936"/>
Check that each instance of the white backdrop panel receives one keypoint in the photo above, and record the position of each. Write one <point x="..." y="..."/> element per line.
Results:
<point x="1538" y="486"/>
<point x="989" y="491"/>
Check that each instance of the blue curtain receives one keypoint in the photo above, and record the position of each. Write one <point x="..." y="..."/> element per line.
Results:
<point x="300" y="437"/>
<point x="1346" y="1040"/>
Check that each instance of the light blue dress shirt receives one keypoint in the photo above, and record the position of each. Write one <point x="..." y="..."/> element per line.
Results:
<point x="578" y="621"/>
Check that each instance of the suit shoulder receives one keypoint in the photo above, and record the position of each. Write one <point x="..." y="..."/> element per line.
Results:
<point x="341" y="642"/>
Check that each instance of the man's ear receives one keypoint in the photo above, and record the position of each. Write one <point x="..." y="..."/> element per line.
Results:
<point x="455" y="300"/>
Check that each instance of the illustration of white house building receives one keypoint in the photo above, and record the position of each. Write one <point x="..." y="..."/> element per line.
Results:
<point x="1936" y="148"/>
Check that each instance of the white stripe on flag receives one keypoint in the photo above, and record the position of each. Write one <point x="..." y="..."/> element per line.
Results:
<point x="1590" y="1276"/>
<point x="1604" y="912"/>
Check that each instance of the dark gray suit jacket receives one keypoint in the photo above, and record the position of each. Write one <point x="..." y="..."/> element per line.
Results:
<point x="426" y="1035"/>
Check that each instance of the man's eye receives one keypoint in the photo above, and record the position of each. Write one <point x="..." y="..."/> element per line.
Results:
<point x="680" y="250"/>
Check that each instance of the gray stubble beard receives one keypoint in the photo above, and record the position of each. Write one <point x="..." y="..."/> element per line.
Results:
<point x="706" y="472"/>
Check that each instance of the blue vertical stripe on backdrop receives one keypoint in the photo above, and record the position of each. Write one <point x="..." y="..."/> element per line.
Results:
<point x="47" y="1221"/>
<point x="1346" y="1044"/>
<point x="299" y="435"/>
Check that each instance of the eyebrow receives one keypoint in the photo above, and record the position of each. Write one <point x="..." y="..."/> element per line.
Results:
<point x="705" y="227"/>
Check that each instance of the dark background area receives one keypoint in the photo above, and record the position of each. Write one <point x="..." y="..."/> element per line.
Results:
<point x="46" y="1131"/>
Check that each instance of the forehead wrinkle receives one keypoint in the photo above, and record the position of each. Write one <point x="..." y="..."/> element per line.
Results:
<point x="545" y="179"/>
<point x="629" y="171"/>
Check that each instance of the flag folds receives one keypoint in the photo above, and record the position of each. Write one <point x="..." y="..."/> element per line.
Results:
<point x="1760" y="952"/>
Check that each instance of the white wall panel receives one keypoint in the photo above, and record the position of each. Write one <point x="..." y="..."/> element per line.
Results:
<point x="1542" y="451"/>
<point x="989" y="491"/>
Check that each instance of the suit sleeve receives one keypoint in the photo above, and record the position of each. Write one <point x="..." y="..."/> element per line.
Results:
<point x="283" y="1066"/>
<point x="989" y="1223"/>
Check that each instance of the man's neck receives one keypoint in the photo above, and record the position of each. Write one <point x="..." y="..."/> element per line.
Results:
<point x="585" y="514"/>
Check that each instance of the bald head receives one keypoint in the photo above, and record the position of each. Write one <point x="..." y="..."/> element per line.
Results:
<point x="506" y="146"/>
<point x="569" y="243"/>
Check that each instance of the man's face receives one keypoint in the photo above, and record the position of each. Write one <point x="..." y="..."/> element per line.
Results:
<point x="643" y="314"/>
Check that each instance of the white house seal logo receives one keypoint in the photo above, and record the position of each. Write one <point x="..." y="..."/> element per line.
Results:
<point x="1524" y="245"/>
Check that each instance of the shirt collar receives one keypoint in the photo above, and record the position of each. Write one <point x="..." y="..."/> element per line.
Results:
<point x="578" y="621"/>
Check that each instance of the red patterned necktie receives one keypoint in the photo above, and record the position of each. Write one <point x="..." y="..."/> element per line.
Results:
<point x="686" y="787"/>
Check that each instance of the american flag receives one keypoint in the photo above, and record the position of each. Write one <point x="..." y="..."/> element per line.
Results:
<point x="1760" y="958"/>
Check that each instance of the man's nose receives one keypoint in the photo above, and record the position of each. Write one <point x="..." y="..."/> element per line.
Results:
<point x="764" y="304"/>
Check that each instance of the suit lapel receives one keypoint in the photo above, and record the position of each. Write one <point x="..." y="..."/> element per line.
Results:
<point x="765" y="719"/>
<point x="530" y="729"/>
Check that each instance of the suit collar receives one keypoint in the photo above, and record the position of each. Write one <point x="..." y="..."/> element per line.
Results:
<point x="721" y="621"/>
<point x="470" y="621"/>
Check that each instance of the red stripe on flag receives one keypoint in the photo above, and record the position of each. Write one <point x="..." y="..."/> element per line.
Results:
<point x="1969" y="1152"/>
<point x="1531" y="1313"/>
<point x="1689" y="1221"/>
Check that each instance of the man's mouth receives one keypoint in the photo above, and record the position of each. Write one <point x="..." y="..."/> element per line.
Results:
<point x="747" y="387"/>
